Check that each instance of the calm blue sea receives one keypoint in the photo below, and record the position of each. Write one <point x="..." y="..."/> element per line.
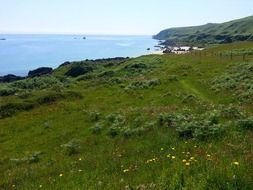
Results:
<point x="21" y="53"/>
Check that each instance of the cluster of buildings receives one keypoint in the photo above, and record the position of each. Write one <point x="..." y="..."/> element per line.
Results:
<point x="181" y="50"/>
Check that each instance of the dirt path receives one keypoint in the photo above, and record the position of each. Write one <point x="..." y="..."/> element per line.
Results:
<point x="190" y="88"/>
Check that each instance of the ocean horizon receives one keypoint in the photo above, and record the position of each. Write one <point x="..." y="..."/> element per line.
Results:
<point x="20" y="53"/>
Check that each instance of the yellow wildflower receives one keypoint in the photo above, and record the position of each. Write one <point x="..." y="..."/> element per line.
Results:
<point x="173" y="148"/>
<point x="236" y="163"/>
<point x="168" y="155"/>
<point x="192" y="158"/>
<point x="40" y="186"/>
<point x="126" y="170"/>
<point x="80" y="159"/>
<point x="184" y="160"/>
<point x="173" y="157"/>
<point x="61" y="175"/>
<point x="187" y="163"/>
<point x="162" y="149"/>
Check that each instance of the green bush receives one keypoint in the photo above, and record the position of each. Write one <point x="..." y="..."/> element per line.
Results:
<point x="71" y="148"/>
<point x="7" y="91"/>
<point x="39" y="83"/>
<point x="34" y="158"/>
<point x="10" y="109"/>
<point x="238" y="80"/>
<point x="78" y="70"/>
<point x="198" y="126"/>
<point x="97" y="129"/>
<point x="114" y="131"/>
<point x="95" y="116"/>
<point x="246" y="123"/>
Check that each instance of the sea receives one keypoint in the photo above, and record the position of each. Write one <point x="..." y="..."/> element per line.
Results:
<point x="21" y="53"/>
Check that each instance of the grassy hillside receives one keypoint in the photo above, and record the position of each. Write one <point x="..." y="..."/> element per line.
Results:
<point x="236" y="30"/>
<point x="153" y="122"/>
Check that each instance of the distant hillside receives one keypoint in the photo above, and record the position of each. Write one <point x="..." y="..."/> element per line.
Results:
<point x="236" y="30"/>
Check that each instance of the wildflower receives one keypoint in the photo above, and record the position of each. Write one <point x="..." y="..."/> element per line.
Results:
<point x="173" y="148"/>
<point x="183" y="152"/>
<point x="61" y="175"/>
<point x="126" y="170"/>
<point x="188" y="152"/>
<point x="192" y="158"/>
<point x="13" y="186"/>
<point x="236" y="163"/>
<point x="80" y="170"/>
<point x="208" y="155"/>
<point x="173" y="157"/>
<point x="184" y="160"/>
<point x="40" y="186"/>
<point x="185" y="142"/>
<point x="162" y="149"/>
<point x="168" y="155"/>
<point x="187" y="163"/>
<point x="80" y="159"/>
<point x="195" y="146"/>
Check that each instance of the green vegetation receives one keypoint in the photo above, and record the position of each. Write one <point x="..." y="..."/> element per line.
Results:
<point x="236" y="30"/>
<point x="152" y="122"/>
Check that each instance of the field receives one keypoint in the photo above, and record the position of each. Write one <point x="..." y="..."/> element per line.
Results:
<point x="152" y="122"/>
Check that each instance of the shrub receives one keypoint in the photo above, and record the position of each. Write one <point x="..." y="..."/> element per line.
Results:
<point x="78" y="70"/>
<point x="10" y="109"/>
<point x="238" y="80"/>
<point x="246" y="123"/>
<point x="34" y="158"/>
<point x="71" y="148"/>
<point x="97" y="129"/>
<point x="95" y="116"/>
<point x="7" y="91"/>
<point x="143" y="84"/>
<point x="115" y="81"/>
<point x="39" y="83"/>
<point x="173" y="78"/>
<point x="231" y="112"/>
<point x="114" y="131"/>
<point x="201" y="127"/>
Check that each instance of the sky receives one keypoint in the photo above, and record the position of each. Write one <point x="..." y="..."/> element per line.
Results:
<point x="114" y="16"/>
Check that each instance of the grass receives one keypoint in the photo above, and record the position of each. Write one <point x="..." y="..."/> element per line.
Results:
<point x="106" y="135"/>
<point x="211" y="33"/>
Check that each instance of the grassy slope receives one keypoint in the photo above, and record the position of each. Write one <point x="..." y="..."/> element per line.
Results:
<point x="243" y="27"/>
<point x="103" y="162"/>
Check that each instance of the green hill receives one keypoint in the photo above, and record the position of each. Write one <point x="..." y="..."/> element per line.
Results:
<point x="154" y="122"/>
<point x="236" y="30"/>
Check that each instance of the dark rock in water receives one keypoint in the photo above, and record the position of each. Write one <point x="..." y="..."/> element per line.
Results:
<point x="40" y="71"/>
<point x="2" y="39"/>
<point x="79" y="70"/>
<point x="84" y="38"/>
<point x="148" y="49"/>
<point x="10" y="78"/>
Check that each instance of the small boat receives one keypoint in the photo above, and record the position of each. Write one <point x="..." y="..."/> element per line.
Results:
<point x="84" y="38"/>
<point x="2" y="39"/>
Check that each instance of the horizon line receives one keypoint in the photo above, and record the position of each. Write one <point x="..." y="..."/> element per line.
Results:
<point x="59" y="33"/>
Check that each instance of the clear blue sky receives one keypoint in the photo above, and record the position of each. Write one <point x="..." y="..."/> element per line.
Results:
<point x="114" y="16"/>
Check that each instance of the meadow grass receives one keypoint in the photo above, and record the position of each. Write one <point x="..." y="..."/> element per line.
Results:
<point x="125" y="135"/>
